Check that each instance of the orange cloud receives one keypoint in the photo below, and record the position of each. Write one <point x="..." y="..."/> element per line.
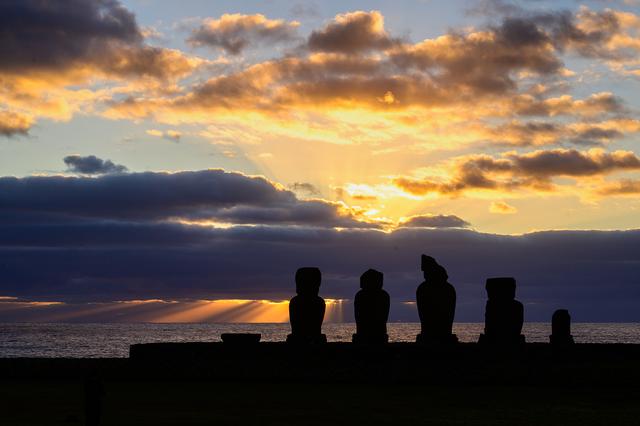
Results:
<point x="512" y="171"/>
<point x="235" y="32"/>
<point x="595" y="104"/>
<point x="626" y="187"/>
<point x="12" y="123"/>
<point x="353" y="32"/>
<point x="46" y="53"/>
<point x="500" y="207"/>
<point x="540" y="133"/>
<point x="465" y="78"/>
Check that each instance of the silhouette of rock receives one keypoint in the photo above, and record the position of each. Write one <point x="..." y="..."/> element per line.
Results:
<point x="504" y="315"/>
<point x="371" y="307"/>
<point x="436" y="304"/>
<point x="306" y="309"/>
<point x="561" y="328"/>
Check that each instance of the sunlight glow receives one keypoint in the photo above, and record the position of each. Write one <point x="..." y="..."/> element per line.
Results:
<point x="167" y="311"/>
<point x="231" y="310"/>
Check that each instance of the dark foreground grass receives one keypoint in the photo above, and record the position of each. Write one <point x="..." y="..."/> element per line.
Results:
<point x="210" y="403"/>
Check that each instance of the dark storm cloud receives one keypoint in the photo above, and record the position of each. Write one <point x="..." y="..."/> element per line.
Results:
<point x="200" y="195"/>
<point x="236" y="32"/>
<point x="62" y="35"/>
<point x="92" y="165"/>
<point x="79" y="240"/>
<point x="435" y="221"/>
<point x="593" y="274"/>
<point x="42" y="34"/>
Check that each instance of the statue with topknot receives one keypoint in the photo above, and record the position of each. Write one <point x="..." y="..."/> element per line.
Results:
<point x="371" y="307"/>
<point x="436" y="300"/>
<point x="306" y="309"/>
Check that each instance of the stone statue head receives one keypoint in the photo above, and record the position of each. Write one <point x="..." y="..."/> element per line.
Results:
<point x="501" y="288"/>
<point x="371" y="280"/>
<point x="432" y="270"/>
<point x="561" y="315"/>
<point x="308" y="281"/>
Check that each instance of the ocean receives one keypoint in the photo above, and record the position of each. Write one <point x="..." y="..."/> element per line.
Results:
<point x="113" y="340"/>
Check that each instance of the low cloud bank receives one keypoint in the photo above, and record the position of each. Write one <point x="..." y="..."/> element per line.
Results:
<point x="591" y="273"/>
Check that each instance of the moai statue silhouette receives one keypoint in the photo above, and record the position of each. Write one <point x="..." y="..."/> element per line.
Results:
<point x="561" y="328"/>
<point x="306" y="309"/>
<point x="371" y="307"/>
<point x="504" y="315"/>
<point x="436" y="304"/>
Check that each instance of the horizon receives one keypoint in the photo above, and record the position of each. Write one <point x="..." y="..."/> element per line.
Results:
<point x="179" y="162"/>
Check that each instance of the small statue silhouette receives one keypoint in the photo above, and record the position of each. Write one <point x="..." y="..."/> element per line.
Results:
<point x="561" y="328"/>
<point x="436" y="304"/>
<point x="306" y="309"/>
<point x="371" y="307"/>
<point x="504" y="315"/>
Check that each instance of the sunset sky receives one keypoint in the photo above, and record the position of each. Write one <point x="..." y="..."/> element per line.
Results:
<point x="177" y="161"/>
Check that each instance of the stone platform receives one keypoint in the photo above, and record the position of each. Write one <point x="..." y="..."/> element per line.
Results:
<point x="463" y="363"/>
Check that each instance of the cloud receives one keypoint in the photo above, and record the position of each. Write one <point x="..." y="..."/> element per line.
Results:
<point x="198" y="197"/>
<point x="79" y="262"/>
<point x="304" y="188"/>
<point x="534" y="170"/>
<point x="500" y="207"/>
<point x="471" y="75"/>
<point x="483" y="61"/>
<point x="538" y="133"/>
<point x="604" y="34"/>
<point x="12" y="124"/>
<point x="92" y="165"/>
<point x="41" y="35"/>
<point x="434" y="221"/>
<point x="103" y="34"/>
<point x="236" y="32"/>
<point x="594" y="104"/>
<point x="594" y="34"/>
<point x="562" y="162"/>
<point x="352" y="32"/>
<point x="624" y="187"/>
<point x="487" y="79"/>
<point x="170" y="135"/>
<point x="60" y="58"/>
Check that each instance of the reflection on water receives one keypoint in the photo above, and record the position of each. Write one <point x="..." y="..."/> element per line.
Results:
<point x="113" y="340"/>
